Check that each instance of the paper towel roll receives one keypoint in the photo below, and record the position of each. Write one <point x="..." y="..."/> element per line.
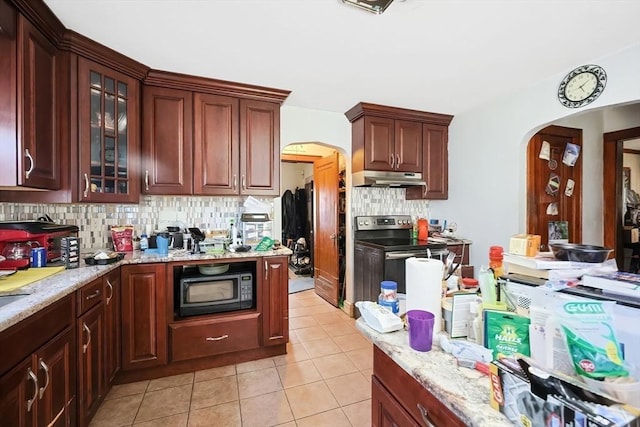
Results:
<point x="424" y="287"/>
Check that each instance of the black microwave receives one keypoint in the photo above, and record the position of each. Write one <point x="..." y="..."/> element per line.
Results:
<point x="206" y="294"/>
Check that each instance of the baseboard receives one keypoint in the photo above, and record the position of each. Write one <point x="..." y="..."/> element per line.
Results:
<point x="348" y="308"/>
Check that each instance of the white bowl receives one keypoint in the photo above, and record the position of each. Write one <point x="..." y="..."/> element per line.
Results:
<point x="211" y="269"/>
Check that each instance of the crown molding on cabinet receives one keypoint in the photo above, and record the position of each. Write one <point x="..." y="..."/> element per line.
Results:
<point x="42" y="18"/>
<point x="366" y="109"/>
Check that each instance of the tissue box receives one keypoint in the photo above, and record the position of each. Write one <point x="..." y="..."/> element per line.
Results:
<point x="524" y="244"/>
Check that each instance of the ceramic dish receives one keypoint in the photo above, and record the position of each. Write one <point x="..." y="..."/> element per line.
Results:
<point x="211" y="269"/>
<point x="92" y="261"/>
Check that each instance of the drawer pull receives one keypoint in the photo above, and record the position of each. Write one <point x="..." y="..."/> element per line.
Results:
<point x="220" y="338"/>
<point x="425" y="415"/>
<point x="110" y="286"/>
<point x="31" y="376"/>
<point x="277" y="337"/>
<point x="45" y="368"/>
<point x="85" y="346"/>
<point x="93" y="295"/>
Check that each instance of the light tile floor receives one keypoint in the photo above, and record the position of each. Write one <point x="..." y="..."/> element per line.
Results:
<point x="323" y="380"/>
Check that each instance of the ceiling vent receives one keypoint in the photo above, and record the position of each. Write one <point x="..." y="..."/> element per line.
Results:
<point x="374" y="6"/>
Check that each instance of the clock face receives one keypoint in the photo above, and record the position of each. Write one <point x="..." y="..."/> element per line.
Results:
<point x="582" y="86"/>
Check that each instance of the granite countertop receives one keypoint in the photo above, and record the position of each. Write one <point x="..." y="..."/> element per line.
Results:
<point x="464" y="391"/>
<point x="43" y="293"/>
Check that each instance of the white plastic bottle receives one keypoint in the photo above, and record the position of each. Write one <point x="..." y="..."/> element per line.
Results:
<point x="144" y="242"/>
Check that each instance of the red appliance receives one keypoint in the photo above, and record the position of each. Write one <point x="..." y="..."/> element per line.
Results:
<point x="46" y="234"/>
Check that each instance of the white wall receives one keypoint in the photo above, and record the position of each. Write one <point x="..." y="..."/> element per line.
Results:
<point x="487" y="156"/>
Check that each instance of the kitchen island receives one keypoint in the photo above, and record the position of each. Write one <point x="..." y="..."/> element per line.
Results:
<point x="72" y="335"/>
<point x="418" y="388"/>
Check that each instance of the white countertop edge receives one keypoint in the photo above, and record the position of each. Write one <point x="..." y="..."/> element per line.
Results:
<point x="464" y="391"/>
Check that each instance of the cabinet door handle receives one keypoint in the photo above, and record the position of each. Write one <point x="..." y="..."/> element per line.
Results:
<point x="45" y="368"/>
<point x="31" y="376"/>
<point x="424" y="193"/>
<point x="425" y="415"/>
<point x="277" y="337"/>
<point x="93" y="295"/>
<point x="110" y="286"/>
<point x="220" y="338"/>
<point x="244" y="182"/>
<point x="393" y="162"/>
<point x="32" y="164"/>
<point x="85" y="346"/>
<point x="146" y="179"/>
<point x="397" y="161"/>
<point x="86" y="185"/>
<point x="235" y="181"/>
<point x="266" y="270"/>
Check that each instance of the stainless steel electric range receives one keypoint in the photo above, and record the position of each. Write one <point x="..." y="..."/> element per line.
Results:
<point x="382" y="244"/>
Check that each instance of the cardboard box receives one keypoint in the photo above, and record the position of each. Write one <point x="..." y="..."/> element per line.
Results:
<point x="524" y="244"/>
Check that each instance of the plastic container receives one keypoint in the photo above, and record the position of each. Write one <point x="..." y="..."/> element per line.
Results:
<point x="469" y="283"/>
<point x="144" y="242"/>
<point x="420" y="329"/>
<point x="389" y="296"/>
<point x="495" y="260"/>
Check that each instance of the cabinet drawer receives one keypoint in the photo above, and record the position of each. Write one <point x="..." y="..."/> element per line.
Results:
<point x="211" y="337"/>
<point x="89" y="296"/>
<point x="417" y="400"/>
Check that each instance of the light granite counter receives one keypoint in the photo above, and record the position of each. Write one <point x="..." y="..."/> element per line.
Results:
<point x="43" y="293"/>
<point x="464" y="391"/>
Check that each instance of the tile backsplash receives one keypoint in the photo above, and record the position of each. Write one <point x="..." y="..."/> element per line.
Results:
<point x="157" y="212"/>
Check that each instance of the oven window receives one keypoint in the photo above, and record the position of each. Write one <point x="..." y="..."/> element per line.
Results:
<point x="222" y="290"/>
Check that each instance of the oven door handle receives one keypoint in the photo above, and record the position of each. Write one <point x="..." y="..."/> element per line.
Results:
<point x="404" y="255"/>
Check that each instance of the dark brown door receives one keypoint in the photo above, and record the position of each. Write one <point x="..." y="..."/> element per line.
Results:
<point x="275" y="309"/>
<point x="56" y="366"/>
<point x="385" y="409"/>
<point x="112" y="321"/>
<point x="40" y="155"/>
<point x="167" y="151"/>
<point x="325" y="229"/>
<point x="144" y="330"/>
<point x="259" y="148"/>
<point x="90" y="338"/>
<point x="379" y="144"/>
<point x="408" y="146"/>
<point x="17" y="388"/>
<point x="547" y="180"/>
<point x="216" y="151"/>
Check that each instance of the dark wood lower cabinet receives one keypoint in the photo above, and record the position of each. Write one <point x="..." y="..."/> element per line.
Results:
<point x="397" y="399"/>
<point x="90" y="333"/>
<point x="144" y="325"/>
<point x="17" y="391"/>
<point x="112" y="326"/>
<point x="275" y="297"/>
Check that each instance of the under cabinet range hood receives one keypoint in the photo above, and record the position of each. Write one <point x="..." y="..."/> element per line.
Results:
<point x="386" y="179"/>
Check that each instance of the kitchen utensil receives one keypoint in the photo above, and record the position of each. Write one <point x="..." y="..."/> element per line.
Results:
<point x="19" y="250"/>
<point x="198" y="236"/>
<point x="579" y="253"/>
<point x="447" y="264"/>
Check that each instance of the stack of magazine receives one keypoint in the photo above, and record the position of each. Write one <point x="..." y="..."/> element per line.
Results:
<point x="618" y="282"/>
<point x="546" y="266"/>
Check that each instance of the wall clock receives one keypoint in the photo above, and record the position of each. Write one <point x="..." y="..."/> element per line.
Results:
<point x="582" y="86"/>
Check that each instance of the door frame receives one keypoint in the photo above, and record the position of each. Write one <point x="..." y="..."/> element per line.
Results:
<point x="612" y="156"/>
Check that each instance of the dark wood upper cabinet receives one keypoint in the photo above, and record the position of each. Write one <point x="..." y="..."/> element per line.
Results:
<point x="216" y="148"/>
<point x="259" y="148"/>
<point x="435" y="160"/>
<point x="108" y="111"/>
<point x="167" y="143"/>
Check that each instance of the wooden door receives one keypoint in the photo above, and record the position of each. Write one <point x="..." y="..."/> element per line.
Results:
<point x="216" y="153"/>
<point x="167" y="146"/>
<point x="90" y="339"/>
<point x="56" y="366"/>
<point x="40" y="154"/>
<point x="112" y="321"/>
<point x="144" y="326"/>
<point x="386" y="411"/>
<point x="275" y="297"/>
<point x="259" y="148"/>
<point x="547" y="180"/>
<point x="379" y="146"/>
<point x="325" y="228"/>
<point x="18" y="387"/>
<point x="408" y="146"/>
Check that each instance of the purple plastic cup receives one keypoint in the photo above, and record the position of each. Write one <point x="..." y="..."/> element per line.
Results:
<point x="420" y="329"/>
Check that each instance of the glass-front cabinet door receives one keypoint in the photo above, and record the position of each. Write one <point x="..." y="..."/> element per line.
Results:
<point x="109" y="143"/>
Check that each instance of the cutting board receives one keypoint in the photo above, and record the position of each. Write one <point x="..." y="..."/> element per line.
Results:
<point x="24" y="277"/>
